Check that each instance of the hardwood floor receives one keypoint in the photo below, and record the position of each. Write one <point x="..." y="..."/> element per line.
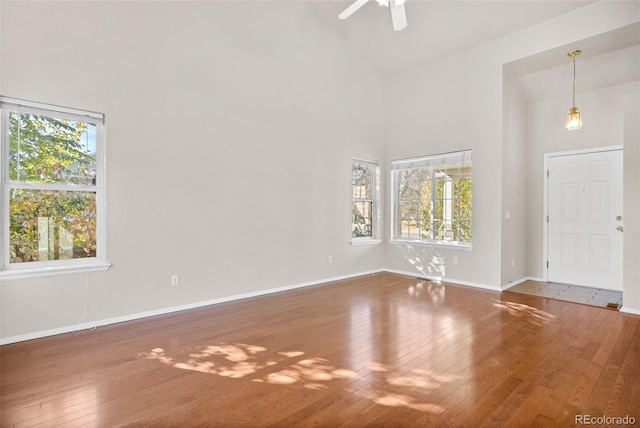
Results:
<point x="380" y="350"/>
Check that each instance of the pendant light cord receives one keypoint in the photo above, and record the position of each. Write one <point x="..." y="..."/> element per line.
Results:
<point x="574" y="80"/>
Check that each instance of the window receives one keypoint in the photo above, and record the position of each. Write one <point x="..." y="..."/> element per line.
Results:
<point x="432" y="199"/>
<point x="364" y="200"/>
<point x="52" y="189"/>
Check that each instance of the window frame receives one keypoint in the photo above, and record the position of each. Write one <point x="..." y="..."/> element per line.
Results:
<point x="375" y="203"/>
<point x="33" y="269"/>
<point x="442" y="159"/>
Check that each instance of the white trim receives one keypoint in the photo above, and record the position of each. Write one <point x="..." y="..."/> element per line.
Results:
<point x="357" y="159"/>
<point x="445" y="280"/>
<point x="15" y="102"/>
<point x="4" y="190"/>
<point x="626" y="310"/>
<point x="70" y="187"/>
<point x="432" y="160"/>
<point x="376" y="199"/>
<point x="454" y="245"/>
<point x="545" y="196"/>
<point x="36" y="269"/>
<point x="131" y="317"/>
<point x="21" y="271"/>
<point x="364" y="241"/>
<point x="520" y="281"/>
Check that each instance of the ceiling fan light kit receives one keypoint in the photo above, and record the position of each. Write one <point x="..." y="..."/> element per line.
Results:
<point x="398" y="14"/>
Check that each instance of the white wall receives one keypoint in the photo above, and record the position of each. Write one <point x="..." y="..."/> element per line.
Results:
<point x="454" y="104"/>
<point x="230" y="142"/>
<point x="514" y="194"/>
<point x="603" y="124"/>
<point x="457" y="104"/>
<point x="631" y="141"/>
<point x="229" y="147"/>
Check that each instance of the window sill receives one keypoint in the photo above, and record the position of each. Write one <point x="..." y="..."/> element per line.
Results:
<point x="39" y="272"/>
<point x="369" y="241"/>
<point x="466" y="246"/>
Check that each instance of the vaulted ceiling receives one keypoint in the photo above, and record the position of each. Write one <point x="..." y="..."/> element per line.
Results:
<point x="436" y="28"/>
<point x="441" y="28"/>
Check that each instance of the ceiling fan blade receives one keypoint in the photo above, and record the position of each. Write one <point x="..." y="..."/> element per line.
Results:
<point x="351" y="9"/>
<point x="398" y="16"/>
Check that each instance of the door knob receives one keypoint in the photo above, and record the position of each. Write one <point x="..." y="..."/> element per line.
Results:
<point x="619" y="218"/>
<point x="620" y="228"/>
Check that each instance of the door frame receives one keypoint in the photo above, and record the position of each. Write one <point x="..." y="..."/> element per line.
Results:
<point x="545" y="196"/>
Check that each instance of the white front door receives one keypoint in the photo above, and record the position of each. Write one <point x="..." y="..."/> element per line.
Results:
<point x="585" y="219"/>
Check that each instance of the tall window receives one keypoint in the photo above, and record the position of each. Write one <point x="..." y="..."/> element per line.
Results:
<point x="52" y="189"/>
<point x="432" y="199"/>
<point x="364" y="185"/>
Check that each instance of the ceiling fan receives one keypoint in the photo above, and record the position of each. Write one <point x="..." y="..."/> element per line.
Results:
<point x="398" y="15"/>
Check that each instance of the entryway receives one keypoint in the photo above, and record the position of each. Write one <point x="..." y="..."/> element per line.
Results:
<point x="610" y="299"/>
<point x="583" y="233"/>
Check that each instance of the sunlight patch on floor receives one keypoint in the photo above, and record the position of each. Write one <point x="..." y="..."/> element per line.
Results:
<point x="240" y="360"/>
<point x="400" y="400"/>
<point x="407" y="389"/>
<point x="533" y="315"/>
<point x="398" y="388"/>
<point x="309" y="372"/>
<point x="228" y="360"/>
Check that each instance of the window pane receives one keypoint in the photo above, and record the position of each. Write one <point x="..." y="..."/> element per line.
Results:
<point x="410" y="228"/>
<point x="426" y="229"/>
<point x="51" y="225"/>
<point x="46" y="149"/>
<point x="463" y="231"/>
<point x="434" y="201"/>
<point x="438" y="212"/>
<point x="363" y="193"/>
<point x="462" y="209"/>
<point x="362" y="212"/>
<point x="362" y="178"/>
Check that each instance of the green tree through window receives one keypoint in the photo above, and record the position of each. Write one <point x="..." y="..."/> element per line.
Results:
<point x="433" y="198"/>
<point x="51" y="186"/>
<point x="364" y="198"/>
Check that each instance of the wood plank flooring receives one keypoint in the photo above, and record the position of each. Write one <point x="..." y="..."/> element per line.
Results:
<point x="379" y="350"/>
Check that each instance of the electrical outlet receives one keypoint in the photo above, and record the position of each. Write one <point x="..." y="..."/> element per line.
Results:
<point x="456" y="260"/>
<point x="330" y="259"/>
<point x="175" y="280"/>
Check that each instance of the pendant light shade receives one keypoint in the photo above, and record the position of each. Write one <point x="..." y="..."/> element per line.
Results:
<point x="573" y="120"/>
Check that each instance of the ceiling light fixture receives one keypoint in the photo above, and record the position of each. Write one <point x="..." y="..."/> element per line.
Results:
<point x="574" y="119"/>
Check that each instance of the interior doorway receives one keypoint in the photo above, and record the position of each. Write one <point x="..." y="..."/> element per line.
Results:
<point x="583" y="218"/>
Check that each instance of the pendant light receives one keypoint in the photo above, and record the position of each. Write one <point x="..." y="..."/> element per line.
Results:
<point x="574" y="119"/>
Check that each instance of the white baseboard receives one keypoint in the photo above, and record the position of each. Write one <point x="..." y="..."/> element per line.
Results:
<point x="131" y="317"/>
<point x="520" y="281"/>
<point x="629" y="310"/>
<point x="449" y="280"/>
<point x="139" y="315"/>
